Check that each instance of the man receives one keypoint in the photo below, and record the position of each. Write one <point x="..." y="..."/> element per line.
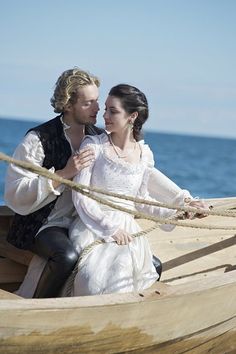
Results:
<point x="44" y="208"/>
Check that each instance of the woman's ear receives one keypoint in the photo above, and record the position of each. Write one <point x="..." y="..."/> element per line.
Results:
<point x="134" y="116"/>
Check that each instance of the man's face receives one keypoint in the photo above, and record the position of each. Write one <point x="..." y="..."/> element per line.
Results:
<point x="85" y="110"/>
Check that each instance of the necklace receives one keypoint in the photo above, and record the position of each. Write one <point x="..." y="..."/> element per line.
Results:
<point x="120" y="156"/>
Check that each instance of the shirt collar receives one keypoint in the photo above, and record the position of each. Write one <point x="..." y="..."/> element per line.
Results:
<point x="65" y="126"/>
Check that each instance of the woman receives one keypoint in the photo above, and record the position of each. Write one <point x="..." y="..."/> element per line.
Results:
<point x="122" y="165"/>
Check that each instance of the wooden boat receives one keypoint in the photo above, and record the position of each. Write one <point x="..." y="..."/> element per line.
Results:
<point x="191" y="310"/>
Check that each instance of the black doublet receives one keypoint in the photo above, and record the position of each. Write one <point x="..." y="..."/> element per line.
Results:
<point x="57" y="151"/>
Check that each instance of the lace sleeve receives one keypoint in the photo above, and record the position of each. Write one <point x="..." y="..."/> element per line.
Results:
<point x="160" y="187"/>
<point x="153" y="210"/>
<point x="147" y="155"/>
<point x="89" y="210"/>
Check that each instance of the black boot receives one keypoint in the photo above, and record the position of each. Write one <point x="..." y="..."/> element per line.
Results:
<point x="158" y="265"/>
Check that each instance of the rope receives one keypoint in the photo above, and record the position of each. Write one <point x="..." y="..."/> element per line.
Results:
<point x="70" y="281"/>
<point x="85" y="190"/>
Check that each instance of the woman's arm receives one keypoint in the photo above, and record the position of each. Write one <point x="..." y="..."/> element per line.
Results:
<point x="161" y="188"/>
<point x="160" y="212"/>
<point x="89" y="210"/>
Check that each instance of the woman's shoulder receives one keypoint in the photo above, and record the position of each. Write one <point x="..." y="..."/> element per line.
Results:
<point x="96" y="139"/>
<point x="96" y="142"/>
<point x="147" y="154"/>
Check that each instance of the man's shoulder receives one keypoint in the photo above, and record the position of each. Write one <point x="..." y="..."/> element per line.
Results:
<point x="47" y="124"/>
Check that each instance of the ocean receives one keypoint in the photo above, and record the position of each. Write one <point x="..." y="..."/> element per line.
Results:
<point x="205" y="166"/>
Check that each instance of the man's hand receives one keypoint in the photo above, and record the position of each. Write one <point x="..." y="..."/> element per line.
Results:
<point x="78" y="161"/>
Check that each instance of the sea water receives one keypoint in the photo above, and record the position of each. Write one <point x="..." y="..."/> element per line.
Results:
<point x="205" y="166"/>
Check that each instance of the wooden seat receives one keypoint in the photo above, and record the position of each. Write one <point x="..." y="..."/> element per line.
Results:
<point x="6" y="295"/>
<point x="11" y="272"/>
<point x="10" y="252"/>
<point x="11" y="275"/>
<point x="6" y="249"/>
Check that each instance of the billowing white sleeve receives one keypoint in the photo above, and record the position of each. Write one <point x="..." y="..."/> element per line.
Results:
<point x="89" y="211"/>
<point x="25" y="191"/>
<point x="161" y="188"/>
<point x="153" y="210"/>
<point x="168" y="191"/>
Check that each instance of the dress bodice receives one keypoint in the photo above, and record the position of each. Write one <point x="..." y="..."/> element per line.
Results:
<point x="115" y="174"/>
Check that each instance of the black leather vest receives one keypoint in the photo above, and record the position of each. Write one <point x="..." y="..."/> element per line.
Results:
<point x="57" y="151"/>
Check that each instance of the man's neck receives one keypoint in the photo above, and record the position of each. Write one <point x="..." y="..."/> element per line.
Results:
<point x="74" y="131"/>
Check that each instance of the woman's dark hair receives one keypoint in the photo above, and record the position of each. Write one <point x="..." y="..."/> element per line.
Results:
<point x="132" y="100"/>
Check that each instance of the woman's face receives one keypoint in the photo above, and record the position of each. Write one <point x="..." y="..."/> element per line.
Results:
<point x="115" y="117"/>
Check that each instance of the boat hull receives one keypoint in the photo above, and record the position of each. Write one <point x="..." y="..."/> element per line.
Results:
<point x="193" y="311"/>
<point x="196" y="322"/>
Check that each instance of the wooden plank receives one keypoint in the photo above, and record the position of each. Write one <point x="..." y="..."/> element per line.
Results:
<point x="173" y="324"/>
<point x="6" y="249"/>
<point x="7" y="295"/>
<point x="10" y="287"/>
<point x="13" y="253"/>
<point x="195" y="317"/>
<point x="11" y="272"/>
<point x="190" y="254"/>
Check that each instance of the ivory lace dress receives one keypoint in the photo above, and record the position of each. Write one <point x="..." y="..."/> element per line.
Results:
<point x="110" y="267"/>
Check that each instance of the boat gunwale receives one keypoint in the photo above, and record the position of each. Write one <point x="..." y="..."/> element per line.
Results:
<point x="158" y="291"/>
<point x="149" y="295"/>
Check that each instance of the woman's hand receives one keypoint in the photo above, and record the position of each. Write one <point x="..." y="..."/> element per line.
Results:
<point x="199" y="204"/>
<point x="78" y="161"/>
<point x="122" y="237"/>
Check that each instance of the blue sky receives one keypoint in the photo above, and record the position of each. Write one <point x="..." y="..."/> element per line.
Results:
<point x="181" y="53"/>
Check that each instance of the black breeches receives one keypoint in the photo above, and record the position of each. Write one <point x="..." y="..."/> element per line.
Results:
<point x="158" y="265"/>
<point x="54" y="245"/>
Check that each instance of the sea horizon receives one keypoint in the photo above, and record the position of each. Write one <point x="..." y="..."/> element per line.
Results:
<point x="204" y="165"/>
<point x="168" y="132"/>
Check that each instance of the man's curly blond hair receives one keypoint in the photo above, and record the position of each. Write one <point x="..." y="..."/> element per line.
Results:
<point x="67" y="85"/>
